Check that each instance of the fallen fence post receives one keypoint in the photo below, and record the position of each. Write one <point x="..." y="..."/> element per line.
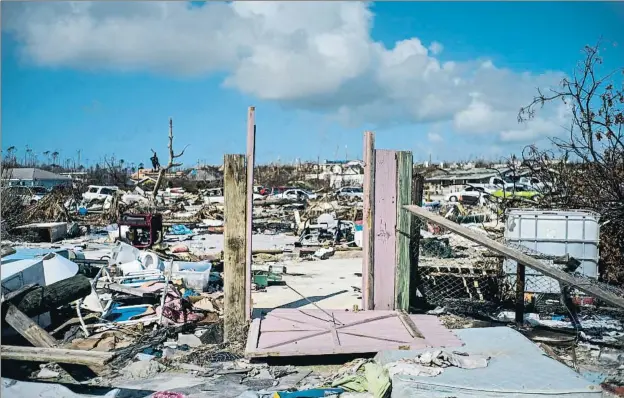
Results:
<point x="235" y="246"/>
<point x="582" y="284"/>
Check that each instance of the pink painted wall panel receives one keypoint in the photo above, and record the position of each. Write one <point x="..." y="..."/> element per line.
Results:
<point x="385" y="229"/>
<point x="291" y="332"/>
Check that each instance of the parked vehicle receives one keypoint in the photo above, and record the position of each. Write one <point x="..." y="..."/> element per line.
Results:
<point x="350" y="192"/>
<point x="99" y="192"/>
<point x="472" y="193"/>
<point x="519" y="191"/>
<point x="529" y="182"/>
<point x="296" y="193"/>
<point x="495" y="183"/>
<point x="28" y="195"/>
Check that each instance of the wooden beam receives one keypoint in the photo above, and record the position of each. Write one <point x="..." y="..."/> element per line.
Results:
<point x="385" y="215"/>
<point x="582" y="284"/>
<point x="58" y="355"/>
<point x="405" y="167"/>
<point x="234" y="254"/>
<point x="368" y="237"/>
<point x="251" y="155"/>
<point x="27" y="328"/>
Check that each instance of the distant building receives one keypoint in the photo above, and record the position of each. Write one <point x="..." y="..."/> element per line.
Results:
<point x="30" y="177"/>
<point x="205" y="174"/>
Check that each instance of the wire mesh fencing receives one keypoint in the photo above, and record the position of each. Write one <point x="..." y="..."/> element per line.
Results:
<point x="486" y="283"/>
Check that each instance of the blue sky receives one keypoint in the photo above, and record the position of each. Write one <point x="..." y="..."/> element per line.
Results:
<point x="105" y="78"/>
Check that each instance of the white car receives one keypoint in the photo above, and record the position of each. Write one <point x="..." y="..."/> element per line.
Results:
<point x="27" y="195"/>
<point x="296" y="194"/>
<point x="350" y="192"/>
<point x="466" y="192"/>
<point x="99" y="192"/>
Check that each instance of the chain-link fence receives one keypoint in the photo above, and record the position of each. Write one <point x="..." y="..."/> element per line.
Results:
<point x="477" y="281"/>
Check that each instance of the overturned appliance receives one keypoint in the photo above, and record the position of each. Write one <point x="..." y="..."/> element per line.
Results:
<point x="141" y="230"/>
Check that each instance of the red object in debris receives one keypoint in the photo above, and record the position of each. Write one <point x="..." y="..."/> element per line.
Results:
<point x="180" y="249"/>
<point x="583" y="300"/>
<point x="616" y="390"/>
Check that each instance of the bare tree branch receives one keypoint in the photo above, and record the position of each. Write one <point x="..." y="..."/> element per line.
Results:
<point x="170" y="164"/>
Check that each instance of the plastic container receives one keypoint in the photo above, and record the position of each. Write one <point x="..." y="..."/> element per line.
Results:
<point x="195" y="276"/>
<point x="554" y="233"/>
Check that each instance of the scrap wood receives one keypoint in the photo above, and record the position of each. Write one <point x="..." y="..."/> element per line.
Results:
<point x="581" y="283"/>
<point x="58" y="355"/>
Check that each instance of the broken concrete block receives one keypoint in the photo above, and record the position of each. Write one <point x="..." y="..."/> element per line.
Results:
<point x="46" y="373"/>
<point x="189" y="339"/>
<point x="142" y="369"/>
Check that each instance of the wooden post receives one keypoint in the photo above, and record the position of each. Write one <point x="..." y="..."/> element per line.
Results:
<point x="520" y="279"/>
<point x="235" y="239"/>
<point x="368" y="237"/>
<point x="251" y="155"/>
<point x="418" y="183"/>
<point x="405" y="167"/>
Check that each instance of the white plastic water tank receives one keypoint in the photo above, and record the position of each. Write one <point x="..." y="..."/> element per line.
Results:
<point x="555" y="233"/>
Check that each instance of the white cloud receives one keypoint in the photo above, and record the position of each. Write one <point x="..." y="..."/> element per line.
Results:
<point x="310" y="55"/>
<point x="434" y="137"/>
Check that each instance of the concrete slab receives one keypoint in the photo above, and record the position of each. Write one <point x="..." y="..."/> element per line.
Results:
<point x="518" y="369"/>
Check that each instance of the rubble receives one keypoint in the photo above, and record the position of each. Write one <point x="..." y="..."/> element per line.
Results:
<point x="149" y="308"/>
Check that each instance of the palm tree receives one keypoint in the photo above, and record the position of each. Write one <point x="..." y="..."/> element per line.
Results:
<point x="47" y="155"/>
<point x="27" y="156"/>
<point x="11" y="154"/>
<point x="55" y="156"/>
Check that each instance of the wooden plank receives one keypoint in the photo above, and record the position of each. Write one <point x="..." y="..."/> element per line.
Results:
<point x="405" y="167"/>
<point x="253" y="335"/>
<point x="251" y="155"/>
<point x="368" y="236"/>
<point x="385" y="217"/>
<point x="43" y="354"/>
<point x="28" y="328"/>
<point x="561" y="276"/>
<point x="410" y="325"/>
<point x="235" y="246"/>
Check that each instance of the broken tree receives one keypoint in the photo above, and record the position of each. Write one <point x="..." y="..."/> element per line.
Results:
<point x="171" y="164"/>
